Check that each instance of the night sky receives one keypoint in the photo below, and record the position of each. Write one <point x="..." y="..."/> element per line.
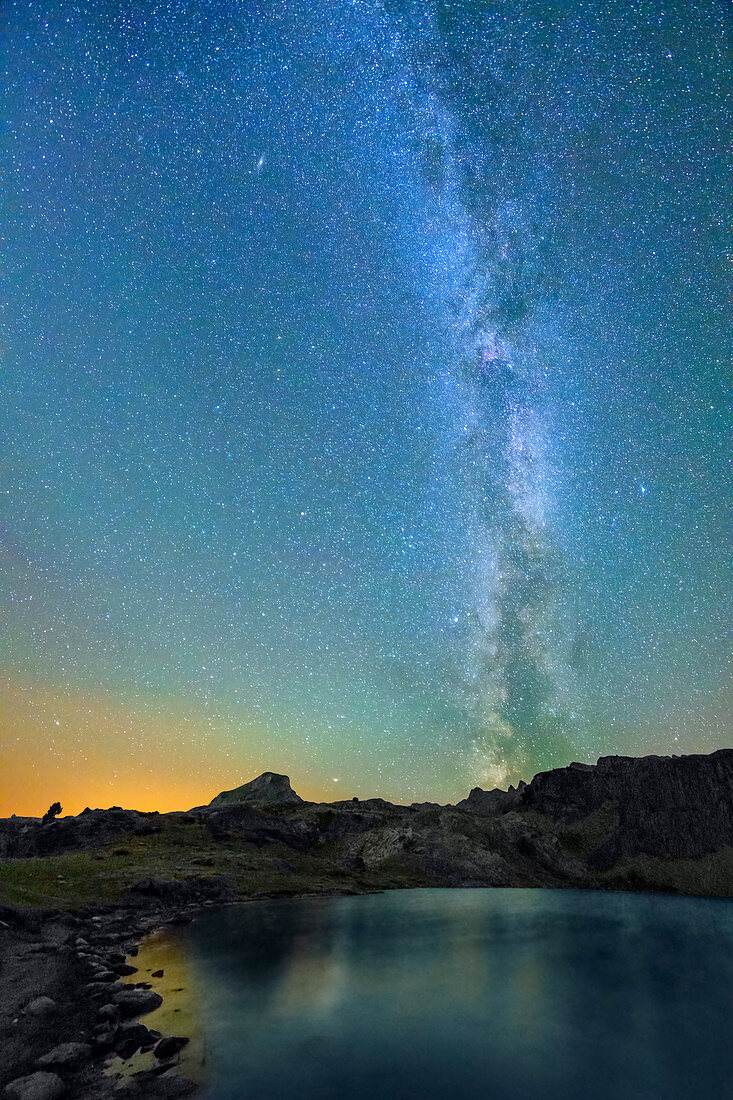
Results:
<point x="365" y="394"/>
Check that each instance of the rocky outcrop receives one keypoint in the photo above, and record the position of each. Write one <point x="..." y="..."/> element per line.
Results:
<point x="22" y="837"/>
<point x="492" y="802"/>
<point x="452" y="848"/>
<point x="266" y="788"/>
<point x="172" y="892"/>
<point x="677" y="807"/>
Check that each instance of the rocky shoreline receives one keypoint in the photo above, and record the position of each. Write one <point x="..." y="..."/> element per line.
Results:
<point x="72" y="999"/>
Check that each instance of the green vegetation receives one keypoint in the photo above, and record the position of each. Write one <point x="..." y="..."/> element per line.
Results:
<point x="183" y="849"/>
<point x="707" y="876"/>
<point x="584" y="836"/>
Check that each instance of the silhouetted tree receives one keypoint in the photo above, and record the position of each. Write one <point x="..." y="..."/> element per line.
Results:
<point x="53" y="811"/>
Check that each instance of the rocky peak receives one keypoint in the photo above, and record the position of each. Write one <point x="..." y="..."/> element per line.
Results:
<point x="492" y="802"/>
<point x="268" y="787"/>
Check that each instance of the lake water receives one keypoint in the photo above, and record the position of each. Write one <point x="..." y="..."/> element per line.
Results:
<point x="503" y="994"/>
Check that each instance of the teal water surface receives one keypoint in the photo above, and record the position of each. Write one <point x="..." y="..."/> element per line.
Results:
<point x="504" y="994"/>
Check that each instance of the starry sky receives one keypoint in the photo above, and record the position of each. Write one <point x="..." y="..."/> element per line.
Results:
<point x="365" y="394"/>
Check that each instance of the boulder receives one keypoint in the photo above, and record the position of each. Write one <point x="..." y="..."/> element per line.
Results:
<point x="136" y="1002"/>
<point x="40" y="1006"/>
<point x="104" y="976"/>
<point x="103" y="989"/>
<point x="124" y="969"/>
<point x="131" y="1037"/>
<point x="170" y="1046"/>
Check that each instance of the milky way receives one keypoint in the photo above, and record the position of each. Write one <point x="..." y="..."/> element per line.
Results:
<point x="366" y="405"/>
<point x="514" y="653"/>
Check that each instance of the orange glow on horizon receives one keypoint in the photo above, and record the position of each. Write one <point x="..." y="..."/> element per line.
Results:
<point x="92" y="748"/>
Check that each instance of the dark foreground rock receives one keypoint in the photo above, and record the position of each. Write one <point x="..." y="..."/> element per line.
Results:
<point x="170" y="1046"/>
<point x="65" y="1056"/>
<point x="176" y="892"/>
<point x="36" y="1086"/>
<point x="134" y="1002"/>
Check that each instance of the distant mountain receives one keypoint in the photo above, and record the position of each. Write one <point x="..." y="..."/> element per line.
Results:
<point x="266" y="788"/>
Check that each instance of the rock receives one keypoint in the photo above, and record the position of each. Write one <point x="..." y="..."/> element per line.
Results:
<point x="136" y="1002"/>
<point x="679" y="807"/>
<point x="147" y="1085"/>
<point x="492" y="802"/>
<point x="268" y="787"/>
<point x="193" y="891"/>
<point x="103" y="989"/>
<point x="157" y="974"/>
<point x="131" y="1037"/>
<point x="169" y="1047"/>
<point x="37" y="1086"/>
<point x="23" y="838"/>
<point x="104" y="1039"/>
<point x="65" y="1056"/>
<point x="40" y="1006"/>
<point x="109" y="1012"/>
<point x="124" y="969"/>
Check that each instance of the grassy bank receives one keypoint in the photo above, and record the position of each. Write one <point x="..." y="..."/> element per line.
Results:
<point x="183" y="849"/>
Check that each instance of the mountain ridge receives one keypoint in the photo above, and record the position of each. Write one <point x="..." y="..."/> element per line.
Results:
<point x="640" y="823"/>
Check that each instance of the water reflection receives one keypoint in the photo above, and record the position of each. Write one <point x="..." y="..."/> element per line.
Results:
<point x="163" y="962"/>
<point x="434" y="993"/>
